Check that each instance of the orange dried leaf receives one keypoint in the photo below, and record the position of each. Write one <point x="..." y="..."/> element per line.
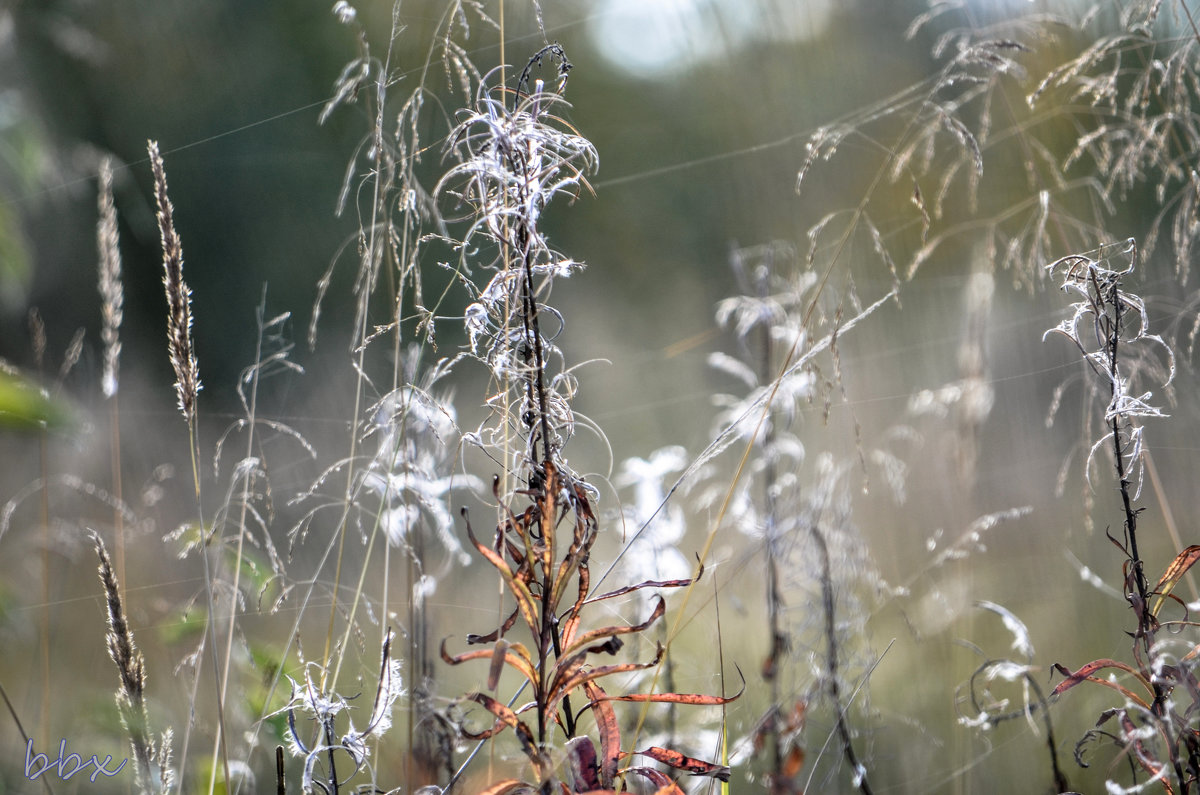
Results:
<point x="474" y="639"/>
<point x="610" y="732"/>
<point x="1084" y="674"/>
<point x="497" y="664"/>
<point x="694" y="699"/>
<point x="1174" y="573"/>
<point x="563" y="686"/>
<point x="605" y="632"/>
<point x="519" y="590"/>
<point x="696" y="767"/>
<point x="507" y="717"/>
<point x="794" y="762"/>
<point x="516" y="655"/>
<point x="504" y="713"/>
<point x="570" y="624"/>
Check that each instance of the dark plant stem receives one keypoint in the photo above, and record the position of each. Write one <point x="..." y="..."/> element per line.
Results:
<point x="13" y="712"/>
<point x="330" y="741"/>
<point x="774" y="599"/>
<point x="533" y="338"/>
<point x="1114" y="338"/>
<point x="1145" y="618"/>
<point x="549" y="639"/>
<point x="829" y="606"/>
<point x="1060" y="778"/>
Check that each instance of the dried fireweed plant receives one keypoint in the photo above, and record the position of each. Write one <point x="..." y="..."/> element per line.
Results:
<point x="515" y="156"/>
<point x="1154" y="728"/>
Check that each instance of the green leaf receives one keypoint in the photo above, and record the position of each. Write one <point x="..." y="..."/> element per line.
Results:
<point x="25" y="406"/>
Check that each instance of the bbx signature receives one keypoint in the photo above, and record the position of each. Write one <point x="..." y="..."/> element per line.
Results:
<point x="67" y="764"/>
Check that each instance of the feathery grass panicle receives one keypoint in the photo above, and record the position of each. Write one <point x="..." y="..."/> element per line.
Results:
<point x="179" y="297"/>
<point x="153" y="760"/>
<point x="111" y="291"/>
<point x="130" y="665"/>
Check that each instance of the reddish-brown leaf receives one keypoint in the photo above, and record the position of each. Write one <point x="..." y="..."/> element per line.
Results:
<point x="581" y="755"/>
<point x="696" y="767"/>
<point x="694" y="699"/>
<point x="504" y="713"/>
<point x="1145" y="758"/>
<point x="581" y="544"/>
<point x="648" y="584"/>
<point x="516" y="656"/>
<point x="610" y="732"/>
<point x="564" y="687"/>
<point x="1084" y="674"/>
<point x="587" y="638"/>
<point x="490" y="637"/>
<point x="570" y="620"/>
<point x="795" y="721"/>
<point x="516" y="585"/>
<point x="794" y="762"/>
<point x="548" y="520"/>
<point x="497" y="665"/>
<point x="506" y="716"/>
<point x="566" y="671"/>
<point x="1174" y="573"/>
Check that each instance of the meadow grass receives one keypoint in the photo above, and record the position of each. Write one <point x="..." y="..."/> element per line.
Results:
<point x="450" y="594"/>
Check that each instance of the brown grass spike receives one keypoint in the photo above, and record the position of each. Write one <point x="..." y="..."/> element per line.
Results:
<point x="179" y="297"/>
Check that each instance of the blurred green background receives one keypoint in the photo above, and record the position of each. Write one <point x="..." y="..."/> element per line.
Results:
<point x="700" y="111"/>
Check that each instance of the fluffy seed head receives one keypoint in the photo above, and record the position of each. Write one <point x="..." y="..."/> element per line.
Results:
<point x="111" y="292"/>
<point x="179" y="297"/>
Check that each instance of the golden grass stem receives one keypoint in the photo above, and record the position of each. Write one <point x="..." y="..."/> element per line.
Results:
<point x="44" y="507"/>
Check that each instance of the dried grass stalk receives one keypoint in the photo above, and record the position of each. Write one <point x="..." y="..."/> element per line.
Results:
<point x="153" y="762"/>
<point x="179" y="297"/>
<point x="111" y="292"/>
